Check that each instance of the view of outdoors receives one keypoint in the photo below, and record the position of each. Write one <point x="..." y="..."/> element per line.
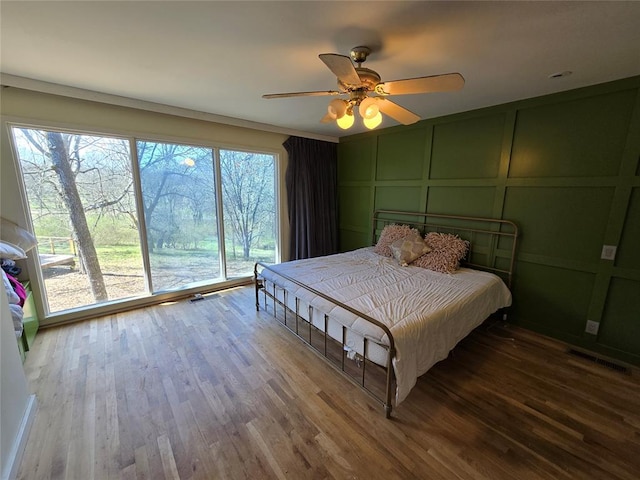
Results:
<point x="180" y="212"/>
<point x="82" y="198"/>
<point x="248" y="199"/>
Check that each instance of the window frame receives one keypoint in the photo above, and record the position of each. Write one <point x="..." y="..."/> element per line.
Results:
<point x="33" y="270"/>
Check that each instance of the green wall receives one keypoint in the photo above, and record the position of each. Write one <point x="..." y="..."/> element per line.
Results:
<point x="564" y="167"/>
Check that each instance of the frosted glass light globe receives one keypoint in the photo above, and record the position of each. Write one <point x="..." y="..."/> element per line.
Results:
<point x="372" y="123"/>
<point x="337" y="108"/>
<point x="368" y="108"/>
<point x="345" y="121"/>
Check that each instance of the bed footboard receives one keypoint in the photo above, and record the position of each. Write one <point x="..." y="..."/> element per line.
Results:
<point x="323" y="338"/>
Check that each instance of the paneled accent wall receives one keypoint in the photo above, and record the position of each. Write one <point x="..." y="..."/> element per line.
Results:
<point x="564" y="167"/>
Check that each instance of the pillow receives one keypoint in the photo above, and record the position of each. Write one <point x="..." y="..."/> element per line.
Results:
<point x="407" y="249"/>
<point x="446" y="252"/>
<point x="11" y="252"/>
<point x="390" y="234"/>
<point x="16" y="235"/>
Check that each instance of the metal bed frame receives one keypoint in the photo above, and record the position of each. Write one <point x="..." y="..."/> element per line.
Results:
<point x="496" y="255"/>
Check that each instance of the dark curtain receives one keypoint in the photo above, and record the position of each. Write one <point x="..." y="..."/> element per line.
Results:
<point x="312" y="193"/>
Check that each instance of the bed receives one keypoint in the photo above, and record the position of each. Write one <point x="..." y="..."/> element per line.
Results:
<point x="379" y="315"/>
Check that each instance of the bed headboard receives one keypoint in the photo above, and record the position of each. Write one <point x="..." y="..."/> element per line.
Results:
<point x="492" y="240"/>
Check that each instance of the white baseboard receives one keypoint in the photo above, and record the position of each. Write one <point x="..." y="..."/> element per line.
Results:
<point x="15" y="457"/>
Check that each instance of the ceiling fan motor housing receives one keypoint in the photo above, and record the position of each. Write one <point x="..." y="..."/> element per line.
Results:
<point x="368" y="77"/>
<point x="368" y="81"/>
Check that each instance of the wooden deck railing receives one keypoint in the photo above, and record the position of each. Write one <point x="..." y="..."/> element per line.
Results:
<point x="57" y="251"/>
<point x="49" y="244"/>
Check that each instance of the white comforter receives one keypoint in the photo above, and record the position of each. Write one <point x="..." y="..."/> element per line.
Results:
<point x="427" y="312"/>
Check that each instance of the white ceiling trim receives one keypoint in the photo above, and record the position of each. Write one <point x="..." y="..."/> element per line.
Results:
<point x="82" y="94"/>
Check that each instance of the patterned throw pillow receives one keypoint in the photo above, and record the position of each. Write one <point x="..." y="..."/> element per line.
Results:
<point x="407" y="249"/>
<point x="390" y="234"/>
<point x="447" y="251"/>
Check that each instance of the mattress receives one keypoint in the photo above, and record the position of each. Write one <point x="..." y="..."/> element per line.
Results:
<point x="427" y="312"/>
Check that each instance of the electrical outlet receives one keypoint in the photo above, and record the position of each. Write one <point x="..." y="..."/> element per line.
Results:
<point x="592" y="327"/>
<point x="608" y="252"/>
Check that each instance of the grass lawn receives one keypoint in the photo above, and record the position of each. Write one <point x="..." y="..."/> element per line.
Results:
<point x="123" y="273"/>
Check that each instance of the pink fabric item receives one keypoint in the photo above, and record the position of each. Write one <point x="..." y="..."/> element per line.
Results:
<point x="390" y="234"/>
<point x="18" y="288"/>
<point x="447" y="250"/>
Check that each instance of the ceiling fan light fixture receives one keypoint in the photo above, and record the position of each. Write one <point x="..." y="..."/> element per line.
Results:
<point x="357" y="82"/>
<point x="368" y="108"/>
<point x="346" y="121"/>
<point x="373" y="122"/>
<point x="337" y="108"/>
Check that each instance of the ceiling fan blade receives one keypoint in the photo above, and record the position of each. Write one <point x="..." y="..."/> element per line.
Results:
<point x="342" y="67"/>
<point x="396" y="112"/>
<point x="302" y="94"/>
<point x="435" y="83"/>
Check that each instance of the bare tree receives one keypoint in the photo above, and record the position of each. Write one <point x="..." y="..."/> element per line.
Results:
<point x="69" y="175"/>
<point x="177" y="190"/>
<point x="247" y="185"/>
<point x="65" y="162"/>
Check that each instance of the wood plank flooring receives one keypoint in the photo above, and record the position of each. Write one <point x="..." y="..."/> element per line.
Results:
<point x="214" y="390"/>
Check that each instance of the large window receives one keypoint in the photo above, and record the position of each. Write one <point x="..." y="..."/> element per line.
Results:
<point x="80" y="194"/>
<point x="248" y="198"/>
<point x="178" y="193"/>
<point x="118" y="217"/>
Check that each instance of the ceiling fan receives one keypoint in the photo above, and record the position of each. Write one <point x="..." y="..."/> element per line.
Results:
<point x="367" y="92"/>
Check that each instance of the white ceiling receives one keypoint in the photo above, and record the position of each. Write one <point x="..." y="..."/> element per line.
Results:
<point x="220" y="57"/>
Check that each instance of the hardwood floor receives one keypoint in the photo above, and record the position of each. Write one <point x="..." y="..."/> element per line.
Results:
<point x="212" y="389"/>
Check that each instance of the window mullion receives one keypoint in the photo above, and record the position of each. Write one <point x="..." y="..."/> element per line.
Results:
<point x="217" y="179"/>
<point x="142" y="224"/>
